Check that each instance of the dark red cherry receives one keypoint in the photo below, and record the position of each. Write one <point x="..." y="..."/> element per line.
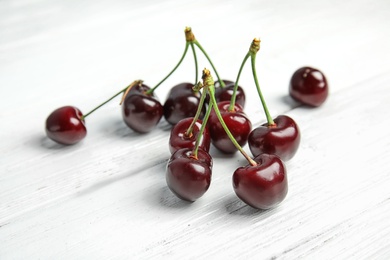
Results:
<point x="182" y="102"/>
<point x="226" y="93"/>
<point x="187" y="177"/>
<point x="281" y="139"/>
<point x="262" y="186"/>
<point x="179" y="139"/>
<point x="141" y="111"/>
<point x="237" y="122"/>
<point x="309" y="86"/>
<point x="65" y="125"/>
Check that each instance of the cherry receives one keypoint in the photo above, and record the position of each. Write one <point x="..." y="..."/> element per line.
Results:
<point x="225" y="93"/>
<point x="237" y="122"/>
<point x="141" y="111"/>
<point x="264" y="185"/>
<point x="309" y="86"/>
<point x="66" y="125"/>
<point x="282" y="138"/>
<point x="179" y="137"/>
<point x="187" y="176"/>
<point x="182" y="102"/>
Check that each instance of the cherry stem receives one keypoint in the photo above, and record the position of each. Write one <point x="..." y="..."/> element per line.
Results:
<point x="255" y="46"/>
<point x="209" y="84"/>
<point x="150" y="91"/>
<point x="111" y="98"/>
<point x="190" y="37"/>
<point x="233" y="99"/>
<point x="198" y="111"/>
<point x="196" y="62"/>
<point x="204" y="124"/>
<point x="211" y="63"/>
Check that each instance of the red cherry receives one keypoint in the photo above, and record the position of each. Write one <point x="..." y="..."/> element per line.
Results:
<point x="281" y="139"/>
<point x="65" y="125"/>
<point x="179" y="139"/>
<point x="237" y="122"/>
<point x="262" y="186"/>
<point x="182" y="102"/>
<point x="309" y="86"/>
<point x="187" y="177"/>
<point x="226" y="93"/>
<point x="141" y="111"/>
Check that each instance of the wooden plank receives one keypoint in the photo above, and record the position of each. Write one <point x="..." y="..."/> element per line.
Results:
<point x="107" y="197"/>
<point x="338" y="193"/>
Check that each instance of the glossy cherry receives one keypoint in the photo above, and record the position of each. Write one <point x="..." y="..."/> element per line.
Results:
<point x="141" y="111"/>
<point x="282" y="138"/>
<point x="262" y="186"/>
<point x="182" y="102"/>
<point x="188" y="177"/>
<point x="309" y="86"/>
<point x="237" y="122"/>
<point x="180" y="139"/>
<point x="225" y="93"/>
<point x="66" y="125"/>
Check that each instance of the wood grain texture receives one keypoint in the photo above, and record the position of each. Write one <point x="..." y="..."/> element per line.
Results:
<point x="106" y="198"/>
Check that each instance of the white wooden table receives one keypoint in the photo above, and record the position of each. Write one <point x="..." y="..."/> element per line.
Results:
<point x="106" y="197"/>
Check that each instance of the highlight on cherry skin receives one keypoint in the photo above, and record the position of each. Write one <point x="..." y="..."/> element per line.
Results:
<point x="282" y="138"/>
<point x="309" y="86"/>
<point x="262" y="186"/>
<point x="238" y="123"/>
<point x="141" y="111"/>
<point x="187" y="177"/>
<point x="66" y="125"/>
<point x="180" y="139"/>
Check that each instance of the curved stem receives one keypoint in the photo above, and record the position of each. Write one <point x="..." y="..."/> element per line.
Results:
<point x="170" y="73"/>
<point x="196" y="62"/>
<point x="218" y="113"/>
<point x="211" y="63"/>
<point x="111" y="98"/>
<point x="267" y="114"/>
<point x="198" y="112"/>
<point x="233" y="99"/>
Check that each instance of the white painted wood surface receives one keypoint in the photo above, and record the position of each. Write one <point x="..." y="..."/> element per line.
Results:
<point x="106" y="198"/>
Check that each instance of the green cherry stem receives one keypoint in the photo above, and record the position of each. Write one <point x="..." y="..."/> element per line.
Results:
<point x="255" y="47"/>
<point x="208" y="82"/>
<point x="126" y="89"/>
<point x="204" y="124"/>
<point x="233" y="99"/>
<point x="196" y="62"/>
<point x="191" y="37"/>
<point x="150" y="91"/>
<point x="211" y="63"/>
<point x="196" y="88"/>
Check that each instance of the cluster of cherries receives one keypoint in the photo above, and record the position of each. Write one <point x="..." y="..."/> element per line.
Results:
<point x="208" y="113"/>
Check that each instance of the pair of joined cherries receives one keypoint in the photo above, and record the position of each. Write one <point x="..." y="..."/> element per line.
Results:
<point x="141" y="111"/>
